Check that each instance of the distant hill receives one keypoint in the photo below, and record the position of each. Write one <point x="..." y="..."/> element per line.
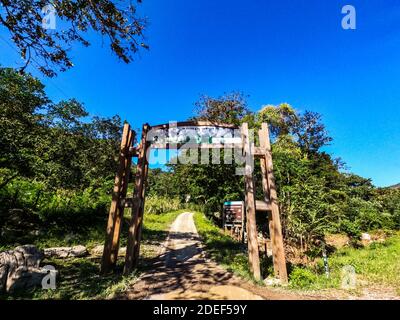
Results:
<point x="396" y="186"/>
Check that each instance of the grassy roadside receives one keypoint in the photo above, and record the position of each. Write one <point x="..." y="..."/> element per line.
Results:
<point x="79" y="278"/>
<point x="222" y="248"/>
<point x="376" y="264"/>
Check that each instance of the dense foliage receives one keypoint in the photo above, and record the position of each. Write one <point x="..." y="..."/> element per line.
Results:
<point x="57" y="166"/>
<point x="56" y="162"/>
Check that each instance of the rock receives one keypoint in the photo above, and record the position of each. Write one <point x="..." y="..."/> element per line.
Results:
<point x="98" y="251"/>
<point x="122" y="251"/>
<point x="3" y="275"/>
<point x="24" y="278"/>
<point x="365" y="237"/>
<point x="272" y="281"/>
<point x="19" y="268"/>
<point x="66" y="252"/>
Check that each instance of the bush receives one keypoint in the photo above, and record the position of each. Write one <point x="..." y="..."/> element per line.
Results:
<point x="158" y="204"/>
<point x="302" y="278"/>
<point x="62" y="209"/>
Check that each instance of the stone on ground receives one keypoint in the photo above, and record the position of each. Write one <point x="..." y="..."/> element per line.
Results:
<point x="66" y="252"/>
<point x="19" y="268"/>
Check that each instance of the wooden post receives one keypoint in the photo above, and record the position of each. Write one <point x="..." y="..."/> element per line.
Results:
<point x="121" y="206"/>
<point x="141" y="213"/>
<point x="112" y="234"/>
<point x="275" y="227"/>
<point x="251" y="227"/>
<point x="138" y="202"/>
<point x="263" y="138"/>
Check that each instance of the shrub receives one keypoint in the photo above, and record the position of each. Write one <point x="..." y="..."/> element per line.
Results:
<point x="158" y="204"/>
<point x="302" y="278"/>
<point x="61" y="208"/>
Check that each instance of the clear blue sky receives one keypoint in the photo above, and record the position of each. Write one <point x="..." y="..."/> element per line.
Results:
<point x="275" y="51"/>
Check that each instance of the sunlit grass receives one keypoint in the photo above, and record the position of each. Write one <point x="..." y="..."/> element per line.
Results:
<point x="376" y="264"/>
<point x="222" y="248"/>
<point x="80" y="278"/>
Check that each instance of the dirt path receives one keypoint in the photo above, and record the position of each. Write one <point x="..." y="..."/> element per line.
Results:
<point x="183" y="272"/>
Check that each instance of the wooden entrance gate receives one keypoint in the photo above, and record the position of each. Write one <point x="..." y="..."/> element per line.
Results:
<point x="142" y="151"/>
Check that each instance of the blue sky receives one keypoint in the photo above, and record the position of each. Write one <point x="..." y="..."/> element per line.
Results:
<point x="275" y="51"/>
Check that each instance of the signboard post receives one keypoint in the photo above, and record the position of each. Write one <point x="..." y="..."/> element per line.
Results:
<point x="233" y="218"/>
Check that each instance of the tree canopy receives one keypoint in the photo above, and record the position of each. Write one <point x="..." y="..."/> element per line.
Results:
<point x="49" y="49"/>
<point x="54" y="142"/>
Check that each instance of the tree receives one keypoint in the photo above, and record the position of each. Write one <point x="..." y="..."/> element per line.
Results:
<point x="22" y="103"/>
<point x="57" y="143"/>
<point x="211" y="184"/>
<point x="230" y="108"/>
<point x="310" y="132"/>
<point x="78" y="151"/>
<point x="49" y="49"/>
<point x="281" y="119"/>
<point x="159" y="183"/>
<point x="306" y="128"/>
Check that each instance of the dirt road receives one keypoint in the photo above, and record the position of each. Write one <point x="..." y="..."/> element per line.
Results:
<point x="182" y="271"/>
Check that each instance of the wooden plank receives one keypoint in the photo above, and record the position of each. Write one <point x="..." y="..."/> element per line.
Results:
<point x="263" y="205"/>
<point x="137" y="203"/>
<point x="275" y="225"/>
<point x="259" y="152"/>
<point x="251" y="227"/>
<point x="108" y="261"/>
<point x="198" y="146"/>
<point x="141" y="213"/>
<point x="195" y="124"/>
<point x="263" y="138"/>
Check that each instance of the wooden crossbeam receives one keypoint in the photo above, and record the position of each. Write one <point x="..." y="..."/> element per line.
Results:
<point x="263" y="205"/>
<point x="197" y="146"/>
<point x="259" y="152"/>
<point x="194" y="123"/>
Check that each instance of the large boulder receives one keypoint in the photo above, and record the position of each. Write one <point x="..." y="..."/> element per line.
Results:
<point x="19" y="268"/>
<point x="66" y="252"/>
<point x="24" y="278"/>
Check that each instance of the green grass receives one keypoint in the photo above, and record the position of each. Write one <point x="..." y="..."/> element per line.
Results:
<point x="378" y="263"/>
<point x="222" y="248"/>
<point x="79" y="278"/>
<point x="156" y="225"/>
